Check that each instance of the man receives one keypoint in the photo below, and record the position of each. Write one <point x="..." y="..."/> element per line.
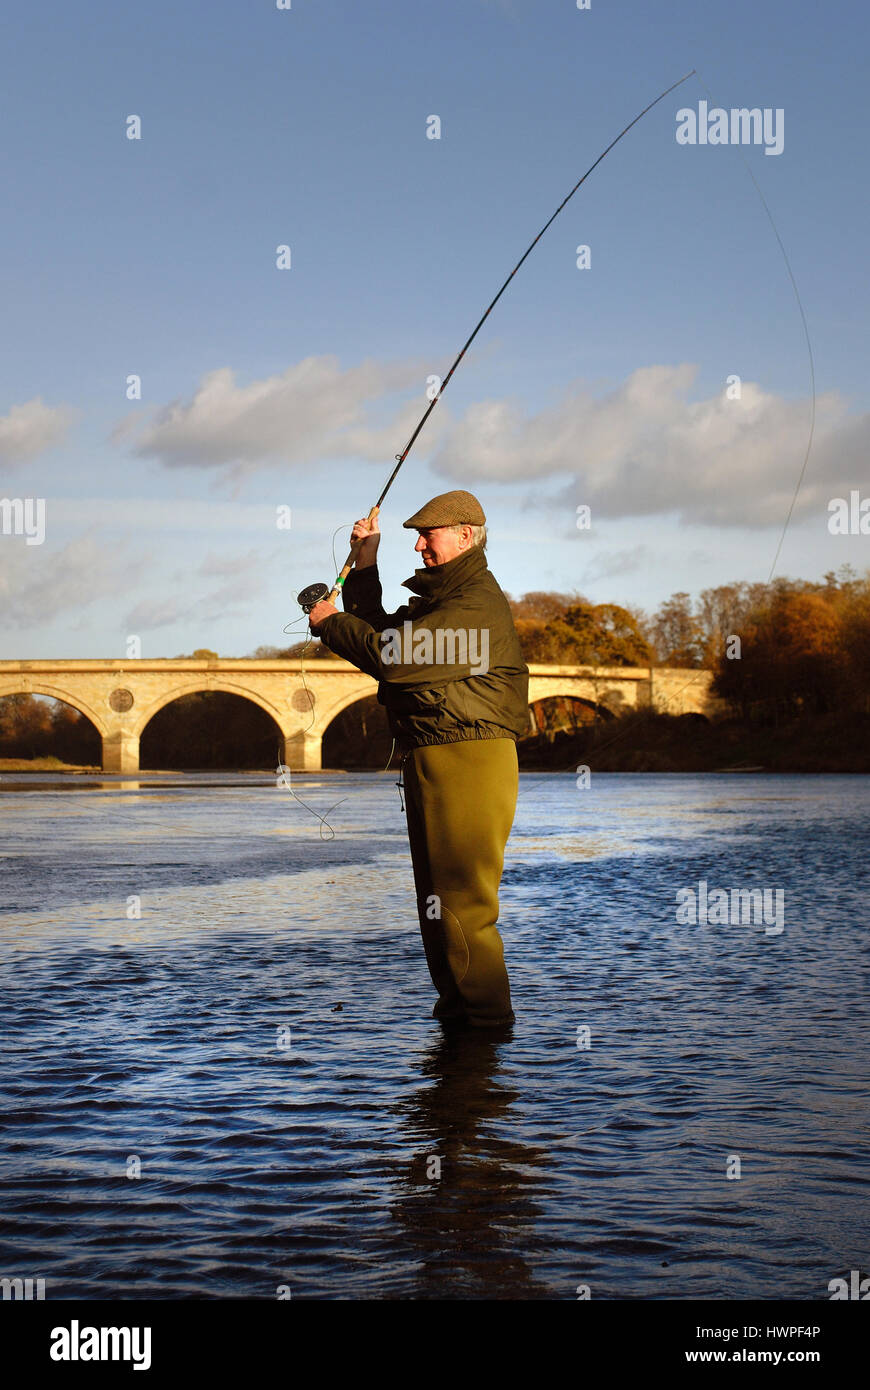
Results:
<point x="453" y="681"/>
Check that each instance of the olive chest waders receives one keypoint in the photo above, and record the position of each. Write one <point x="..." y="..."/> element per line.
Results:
<point x="460" y="803"/>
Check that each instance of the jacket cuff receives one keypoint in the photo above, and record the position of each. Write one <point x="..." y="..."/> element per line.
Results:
<point x="344" y="635"/>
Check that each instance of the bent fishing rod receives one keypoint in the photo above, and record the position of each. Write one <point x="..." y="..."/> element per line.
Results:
<point x="314" y="593"/>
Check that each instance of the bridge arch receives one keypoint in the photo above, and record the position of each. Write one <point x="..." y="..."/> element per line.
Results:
<point x="53" y="692"/>
<point x="328" y="713"/>
<point x="210" y="724"/>
<point x="598" y="707"/>
<point x="208" y="687"/>
<point x="345" y="744"/>
<point x="548" y="718"/>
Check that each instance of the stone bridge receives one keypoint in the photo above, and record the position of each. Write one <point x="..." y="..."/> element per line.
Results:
<point x="120" y="697"/>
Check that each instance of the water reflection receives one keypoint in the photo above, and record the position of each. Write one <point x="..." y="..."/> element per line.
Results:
<point x="466" y="1198"/>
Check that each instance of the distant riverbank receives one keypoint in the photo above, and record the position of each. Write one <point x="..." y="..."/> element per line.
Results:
<point x="647" y="742"/>
<point x="42" y="765"/>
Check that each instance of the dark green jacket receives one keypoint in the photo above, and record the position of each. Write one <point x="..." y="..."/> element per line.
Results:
<point x="468" y="680"/>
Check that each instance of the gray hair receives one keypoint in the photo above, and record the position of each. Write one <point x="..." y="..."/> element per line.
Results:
<point x="478" y="533"/>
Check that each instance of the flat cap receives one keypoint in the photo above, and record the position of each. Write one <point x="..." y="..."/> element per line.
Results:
<point x="457" y="508"/>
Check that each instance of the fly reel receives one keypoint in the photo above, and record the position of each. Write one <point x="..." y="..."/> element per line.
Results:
<point x="311" y="596"/>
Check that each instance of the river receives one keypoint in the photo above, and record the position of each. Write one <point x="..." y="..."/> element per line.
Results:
<point x="221" y="1077"/>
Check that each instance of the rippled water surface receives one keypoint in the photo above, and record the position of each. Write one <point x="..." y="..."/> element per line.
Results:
<point x="258" y="1045"/>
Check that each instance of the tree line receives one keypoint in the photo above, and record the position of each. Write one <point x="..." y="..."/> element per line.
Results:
<point x="778" y="651"/>
<point x="801" y="645"/>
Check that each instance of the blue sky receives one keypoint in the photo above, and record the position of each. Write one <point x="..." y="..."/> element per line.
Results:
<point x="265" y="388"/>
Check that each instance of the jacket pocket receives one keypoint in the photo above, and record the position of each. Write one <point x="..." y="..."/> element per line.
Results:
<point x="459" y="703"/>
<point x="409" y="701"/>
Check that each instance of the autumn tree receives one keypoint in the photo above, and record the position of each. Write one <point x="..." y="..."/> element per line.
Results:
<point x="33" y="727"/>
<point x="541" y="605"/>
<point x="792" y="659"/>
<point x="677" y="633"/>
<point x="310" y="648"/>
<point x="25" y="726"/>
<point x="723" y="613"/>
<point x="597" y="635"/>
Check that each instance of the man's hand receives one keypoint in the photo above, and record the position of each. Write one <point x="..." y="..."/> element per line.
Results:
<point x="367" y="535"/>
<point x="319" y="613"/>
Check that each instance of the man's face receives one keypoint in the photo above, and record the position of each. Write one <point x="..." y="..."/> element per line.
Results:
<point x="439" y="544"/>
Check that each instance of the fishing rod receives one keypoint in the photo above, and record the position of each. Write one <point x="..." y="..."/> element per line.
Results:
<point x="314" y="593"/>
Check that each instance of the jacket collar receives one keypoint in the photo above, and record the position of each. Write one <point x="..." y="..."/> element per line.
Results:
<point x="437" y="581"/>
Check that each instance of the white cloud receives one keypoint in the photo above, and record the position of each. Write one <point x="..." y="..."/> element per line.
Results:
<point x="191" y="515"/>
<point x="312" y="411"/>
<point x="37" y="585"/>
<point x="645" y="449"/>
<point x="228" y="601"/>
<point x="154" y="613"/>
<point x="227" y="563"/>
<point x="611" y="564"/>
<point x="32" y="428"/>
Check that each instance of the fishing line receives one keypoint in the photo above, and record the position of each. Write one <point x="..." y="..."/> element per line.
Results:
<point x="346" y="527"/>
<point x="283" y="774"/>
<point x="797" y="296"/>
<point x="314" y="593"/>
<point x="806" y="459"/>
<point x="282" y="769"/>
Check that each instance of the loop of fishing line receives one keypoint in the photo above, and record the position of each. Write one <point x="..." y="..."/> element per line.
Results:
<point x="282" y="769"/>
<point x="284" y="773"/>
<point x="401" y="457"/>
<point x="618" y="737"/>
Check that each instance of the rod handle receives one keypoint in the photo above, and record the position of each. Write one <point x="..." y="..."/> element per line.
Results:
<point x="349" y="563"/>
